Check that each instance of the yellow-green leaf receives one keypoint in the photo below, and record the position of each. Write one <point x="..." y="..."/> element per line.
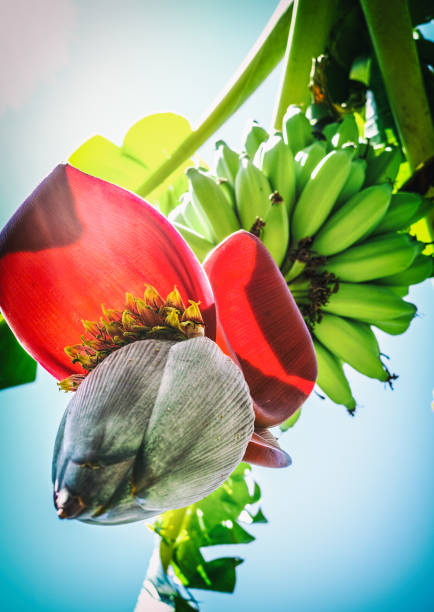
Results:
<point x="100" y="157"/>
<point x="147" y="144"/>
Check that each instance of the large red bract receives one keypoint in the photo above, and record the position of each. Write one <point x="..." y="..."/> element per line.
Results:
<point x="79" y="242"/>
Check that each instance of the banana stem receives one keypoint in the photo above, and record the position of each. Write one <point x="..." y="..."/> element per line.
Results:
<point x="308" y="35"/>
<point x="391" y="33"/>
<point x="260" y="62"/>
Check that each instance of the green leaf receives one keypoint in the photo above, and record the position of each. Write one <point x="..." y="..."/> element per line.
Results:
<point x="259" y="517"/>
<point x="147" y="144"/>
<point x="181" y="604"/>
<point x="256" y="494"/>
<point x="220" y="575"/>
<point x="211" y="521"/>
<point x="16" y="366"/>
<point x="232" y="533"/>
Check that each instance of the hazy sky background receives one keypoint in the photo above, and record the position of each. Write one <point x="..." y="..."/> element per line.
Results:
<point x="350" y="523"/>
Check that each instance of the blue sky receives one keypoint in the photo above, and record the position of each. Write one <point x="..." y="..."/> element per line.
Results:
<point x="350" y="523"/>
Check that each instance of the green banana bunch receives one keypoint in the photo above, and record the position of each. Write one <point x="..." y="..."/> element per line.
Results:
<point x="321" y="201"/>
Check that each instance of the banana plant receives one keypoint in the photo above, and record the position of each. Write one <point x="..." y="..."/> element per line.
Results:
<point x="103" y="241"/>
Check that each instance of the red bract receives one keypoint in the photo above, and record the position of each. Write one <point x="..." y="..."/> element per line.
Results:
<point x="78" y="242"/>
<point x="263" y="327"/>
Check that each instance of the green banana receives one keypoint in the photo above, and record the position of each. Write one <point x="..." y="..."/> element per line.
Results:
<point x="194" y="217"/>
<point x="385" y="254"/>
<point x="177" y="215"/>
<point x="367" y="302"/>
<point x="228" y="191"/>
<point x="404" y="210"/>
<point x="329" y="131"/>
<point x="394" y="327"/>
<point x="363" y="148"/>
<point x="320" y="193"/>
<point x="420" y="269"/>
<point x="331" y="378"/>
<point x="253" y="136"/>
<point x="353" y="342"/>
<point x="305" y="162"/>
<point x="275" y="234"/>
<point x="384" y="167"/>
<point x="354" y="220"/>
<point x="252" y="193"/>
<point x="297" y="130"/>
<point x="400" y="290"/>
<point x="209" y="198"/>
<point x="354" y="182"/>
<point x="276" y="161"/>
<point x="226" y="162"/>
<point x="346" y="132"/>
<point x="198" y="244"/>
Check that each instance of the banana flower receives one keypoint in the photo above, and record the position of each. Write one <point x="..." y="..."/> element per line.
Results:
<point x="178" y="369"/>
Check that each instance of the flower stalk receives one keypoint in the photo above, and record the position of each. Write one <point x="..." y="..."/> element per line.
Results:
<point x="391" y="32"/>
<point x="259" y="63"/>
<point x="308" y="34"/>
